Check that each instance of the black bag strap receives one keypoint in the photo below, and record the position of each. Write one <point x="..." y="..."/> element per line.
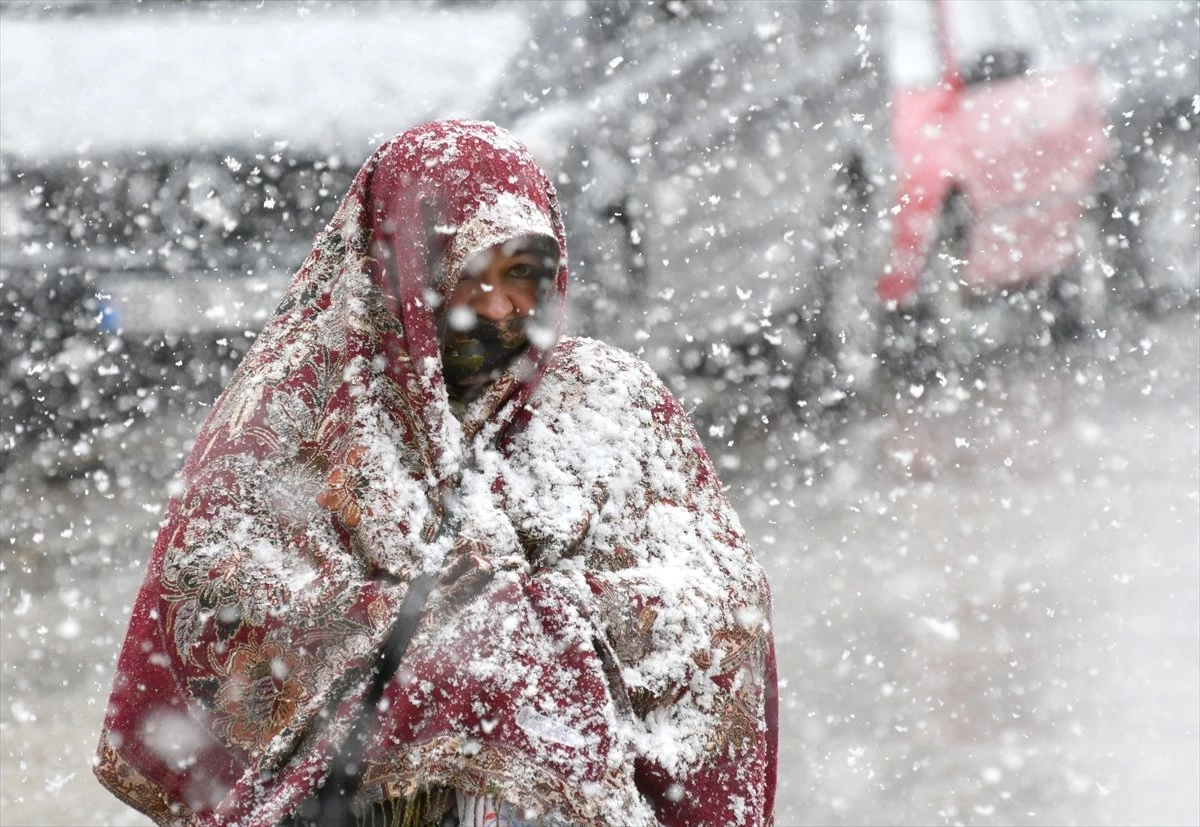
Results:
<point x="335" y="799"/>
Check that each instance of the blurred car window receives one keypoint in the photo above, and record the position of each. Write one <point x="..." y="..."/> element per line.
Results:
<point x="912" y="44"/>
<point x="977" y="29"/>
<point x="1126" y="9"/>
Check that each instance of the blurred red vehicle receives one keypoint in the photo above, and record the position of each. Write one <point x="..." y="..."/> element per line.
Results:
<point x="1000" y="149"/>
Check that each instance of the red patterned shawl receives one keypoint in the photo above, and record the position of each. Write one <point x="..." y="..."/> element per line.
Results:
<point x="617" y="667"/>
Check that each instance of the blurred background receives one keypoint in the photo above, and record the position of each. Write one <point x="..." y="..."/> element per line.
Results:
<point x="926" y="272"/>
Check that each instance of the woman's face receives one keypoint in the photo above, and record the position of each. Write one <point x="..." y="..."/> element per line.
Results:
<point x="499" y="285"/>
<point x="488" y="315"/>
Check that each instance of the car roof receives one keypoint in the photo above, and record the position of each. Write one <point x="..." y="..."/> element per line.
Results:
<point x="244" y="74"/>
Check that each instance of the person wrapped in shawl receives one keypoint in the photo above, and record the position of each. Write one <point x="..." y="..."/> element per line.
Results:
<point x="597" y="650"/>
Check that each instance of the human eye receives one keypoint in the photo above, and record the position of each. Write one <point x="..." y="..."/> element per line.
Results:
<point x="523" y="270"/>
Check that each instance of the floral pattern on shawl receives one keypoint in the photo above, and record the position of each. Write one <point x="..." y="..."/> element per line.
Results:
<point x="633" y="659"/>
<point x="630" y="620"/>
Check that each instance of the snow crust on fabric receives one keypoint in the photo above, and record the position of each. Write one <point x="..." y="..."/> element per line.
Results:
<point x="616" y="664"/>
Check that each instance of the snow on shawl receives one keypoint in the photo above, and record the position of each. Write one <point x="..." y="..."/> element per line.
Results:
<point x="618" y="667"/>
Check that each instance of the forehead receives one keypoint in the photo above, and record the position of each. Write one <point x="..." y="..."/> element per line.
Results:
<point x="521" y="246"/>
<point x="513" y="248"/>
<point x="516" y="247"/>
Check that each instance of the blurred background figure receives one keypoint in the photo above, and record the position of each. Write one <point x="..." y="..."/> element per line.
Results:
<point x="927" y="273"/>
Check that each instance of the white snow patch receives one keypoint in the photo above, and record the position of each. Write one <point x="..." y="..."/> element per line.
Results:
<point x="245" y="74"/>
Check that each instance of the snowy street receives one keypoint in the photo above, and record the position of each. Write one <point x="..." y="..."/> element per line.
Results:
<point x="992" y="616"/>
<point x="986" y="587"/>
<point x="984" y="616"/>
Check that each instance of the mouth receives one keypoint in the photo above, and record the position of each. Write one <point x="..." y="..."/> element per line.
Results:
<point x="478" y="356"/>
<point x="511" y="334"/>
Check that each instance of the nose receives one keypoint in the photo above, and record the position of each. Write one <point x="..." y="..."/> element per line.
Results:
<point x="493" y="302"/>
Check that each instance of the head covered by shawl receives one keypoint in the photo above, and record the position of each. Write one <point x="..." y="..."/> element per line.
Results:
<point x="331" y="471"/>
<point x="341" y="395"/>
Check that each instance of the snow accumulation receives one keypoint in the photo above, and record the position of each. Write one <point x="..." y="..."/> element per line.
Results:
<point x="242" y="73"/>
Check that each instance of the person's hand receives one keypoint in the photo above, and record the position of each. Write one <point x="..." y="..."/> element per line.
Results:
<point x="464" y="576"/>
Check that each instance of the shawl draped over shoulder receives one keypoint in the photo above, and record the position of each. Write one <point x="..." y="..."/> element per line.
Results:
<point x="615" y="667"/>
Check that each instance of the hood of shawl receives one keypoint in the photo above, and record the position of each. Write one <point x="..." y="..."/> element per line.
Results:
<point x="510" y="216"/>
<point x="435" y="196"/>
